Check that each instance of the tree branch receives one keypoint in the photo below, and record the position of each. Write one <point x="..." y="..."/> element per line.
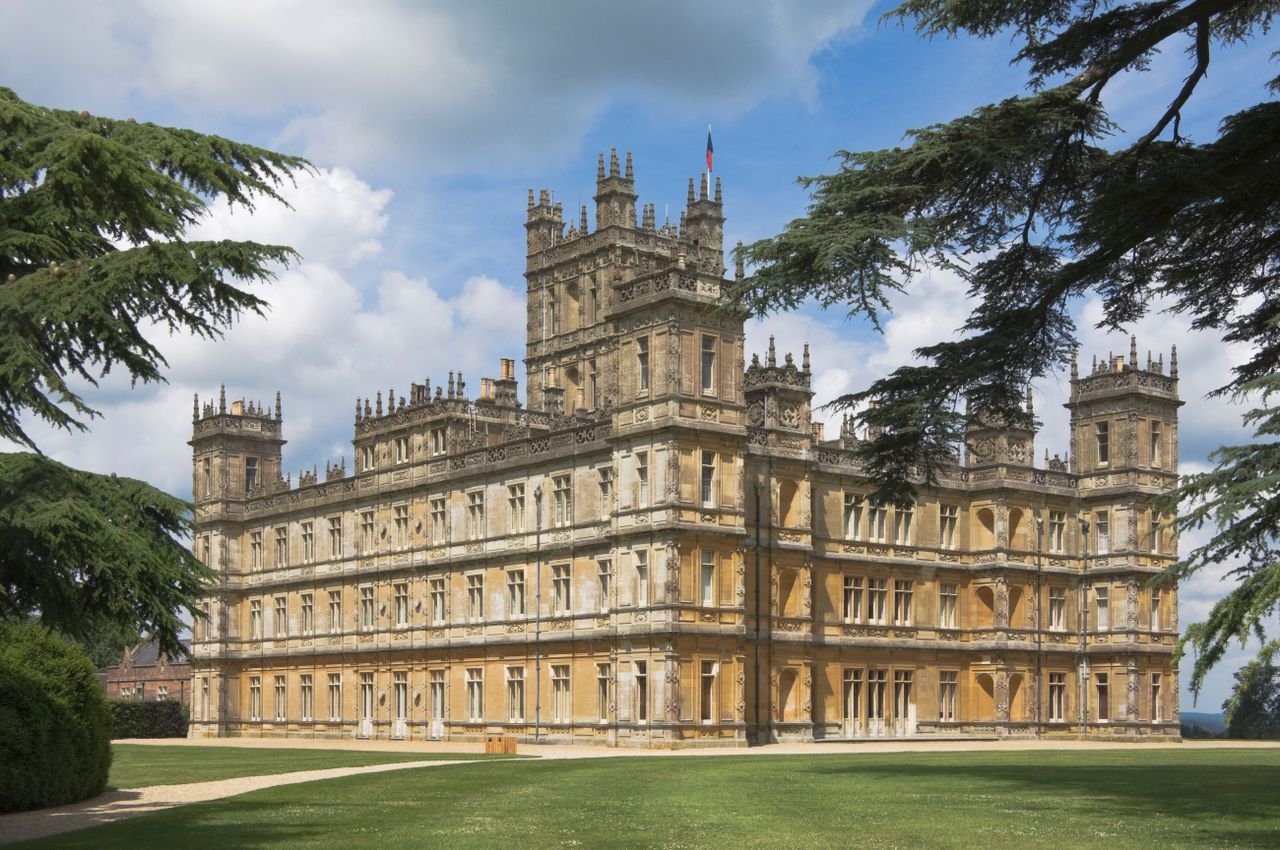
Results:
<point x="1175" y="109"/>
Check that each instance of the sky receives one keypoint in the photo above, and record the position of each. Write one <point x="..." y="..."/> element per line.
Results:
<point x="426" y="124"/>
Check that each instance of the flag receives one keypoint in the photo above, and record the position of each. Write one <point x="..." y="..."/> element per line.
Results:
<point x="709" y="148"/>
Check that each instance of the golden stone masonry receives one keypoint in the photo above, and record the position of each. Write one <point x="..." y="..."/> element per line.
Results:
<point x="662" y="549"/>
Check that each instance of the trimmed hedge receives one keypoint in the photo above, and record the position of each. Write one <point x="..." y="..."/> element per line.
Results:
<point x="165" y="718"/>
<point x="55" y="727"/>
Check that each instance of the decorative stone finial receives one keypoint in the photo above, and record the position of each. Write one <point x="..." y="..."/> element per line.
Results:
<point x="1173" y="362"/>
<point x="631" y="175"/>
<point x="1133" y="352"/>
<point x="222" y="398"/>
<point x="772" y="359"/>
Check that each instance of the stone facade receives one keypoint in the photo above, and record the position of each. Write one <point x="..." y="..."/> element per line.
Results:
<point x="662" y="549"/>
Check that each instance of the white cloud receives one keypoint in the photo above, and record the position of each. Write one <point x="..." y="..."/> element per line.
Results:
<point x="473" y="85"/>
<point x="325" y="339"/>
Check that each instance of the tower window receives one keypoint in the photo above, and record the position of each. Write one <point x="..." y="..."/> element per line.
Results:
<point x="708" y="363"/>
<point x="1104" y="446"/>
<point x="642" y="362"/>
<point x="250" y="474"/>
<point x="1155" y="443"/>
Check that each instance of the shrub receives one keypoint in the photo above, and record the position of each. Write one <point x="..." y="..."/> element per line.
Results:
<point x="164" y="718"/>
<point x="55" y="727"/>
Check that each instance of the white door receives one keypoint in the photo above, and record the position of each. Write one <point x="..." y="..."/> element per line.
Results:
<point x="366" y="705"/>
<point x="437" y="704"/>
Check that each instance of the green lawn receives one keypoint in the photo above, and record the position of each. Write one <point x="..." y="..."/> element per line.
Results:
<point x="1114" y="799"/>
<point x="139" y="765"/>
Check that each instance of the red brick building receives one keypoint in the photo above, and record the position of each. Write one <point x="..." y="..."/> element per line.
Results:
<point x="144" y="672"/>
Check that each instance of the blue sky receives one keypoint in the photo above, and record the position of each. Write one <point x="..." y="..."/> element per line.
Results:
<point x="428" y="122"/>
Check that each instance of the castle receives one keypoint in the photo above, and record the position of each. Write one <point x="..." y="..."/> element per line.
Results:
<point x="661" y="549"/>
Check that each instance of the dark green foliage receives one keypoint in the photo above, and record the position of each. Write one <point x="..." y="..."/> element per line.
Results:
<point x="105" y="642"/>
<point x="55" y="727"/>
<point x="72" y="185"/>
<point x="92" y="255"/>
<point x="85" y="549"/>
<point x="162" y="718"/>
<point x="1034" y="204"/>
<point x="1253" y="709"/>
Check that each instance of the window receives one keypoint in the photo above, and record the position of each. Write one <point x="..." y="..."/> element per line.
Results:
<point x="335" y="537"/>
<point x="438" y="521"/>
<point x="475" y="597"/>
<point x="947" y="695"/>
<point x="560" y="586"/>
<point x="475" y="515"/>
<point x="593" y="384"/>
<point x="402" y="525"/>
<point x="515" y="593"/>
<point x="515" y="694"/>
<point x="1057" y="697"/>
<point x="400" y="686"/>
<point x="282" y="700"/>
<point x="852" y="608"/>
<point x="561" y="707"/>
<point x="642" y="363"/>
<point x="852" y="516"/>
<point x="562" y="500"/>
<point x="593" y="304"/>
<point x="204" y="549"/>
<point x="1153" y="531"/>
<point x="162" y="692"/>
<point x="901" y="694"/>
<point x="401" y="595"/>
<point x="948" y="520"/>
<point x="948" y="602"/>
<point x="255" y="619"/>
<point x="708" y="363"/>
<point x="1156" y="713"/>
<point x="1155" y="609"/>
<point x="604" y="576"/>
<point x="901" y="603"/>
<point x="308" y="614"/>
<point x="280" y="619"/>
<point x="852" y="702"/>
<point x="1103" y="524"/>
<point x="402" y="449"/>
<point x="642" y="577"/>
<point x="255" y="698"/>
<point x="306" y="697"/>
<point x="308" y="542"/>
<point x="250" y="474"/>
<point x="1104" y="700"/>
<point x="1057" y="531"/>
<point x="877" y="684"/>
<point x="367" y="612"/>
<point x="708" y="492"/>
<point x="642" y="479"/>
<point x="902" y="525"/>
<point x="1101" y="595"/>
<point x="603" y="672"/>
<point x="707" y="693"/>
<point x="605" y="474"/>
<point x="515" y="501"/>
<point x="553" y="316"/>
<point x="437" y="696"/>
<point x="282" y="547"/>
<point x="437" y="600"/>
<point x="368" y="539"/>
<point x="877" y="602"/>
<point x="707" y="579"/>
<point x="1155" y="443"/>
<point x="335" y="696"/>
<point x="1104" y="448"/>
<point x="642" y="691"/>
<point x="475" y="693"/>
<point x="877" y="518"/>
<point x="368" y="457"/>
<point x="439" y="441"/>
<point x="335" y="610"/>
<point x="255" y="550"/>
<point x="1057" y="609"/>
<point x="206" y="477"/>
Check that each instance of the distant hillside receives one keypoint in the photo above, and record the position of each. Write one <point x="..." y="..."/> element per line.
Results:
<point x="1212" y="723"/>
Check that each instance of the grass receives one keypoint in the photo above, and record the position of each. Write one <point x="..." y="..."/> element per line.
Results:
<point x="1062" y="799"/>
<point x="139" y="765"/>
